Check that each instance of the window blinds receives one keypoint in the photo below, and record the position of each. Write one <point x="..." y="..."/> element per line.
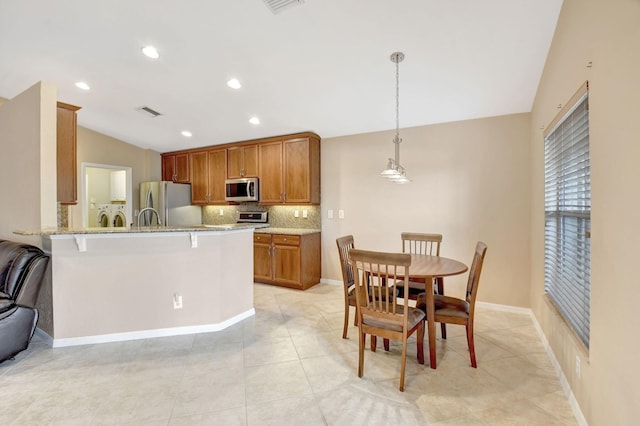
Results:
<point x="568" y="216"/>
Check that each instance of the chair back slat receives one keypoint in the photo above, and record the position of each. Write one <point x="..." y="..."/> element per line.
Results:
<point x="376" y="274"/>
<point x="344" y="245"/>
<point x="474" y="273"/>
<point x="420" y="243"/>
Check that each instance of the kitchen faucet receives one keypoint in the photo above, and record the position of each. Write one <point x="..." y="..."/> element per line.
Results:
<point x="150" y="209"/>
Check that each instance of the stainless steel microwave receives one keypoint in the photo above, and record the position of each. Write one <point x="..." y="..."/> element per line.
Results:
<point x="243" y="189"/>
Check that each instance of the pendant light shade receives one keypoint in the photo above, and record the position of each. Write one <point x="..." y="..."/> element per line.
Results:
<point x="394" y="171"/>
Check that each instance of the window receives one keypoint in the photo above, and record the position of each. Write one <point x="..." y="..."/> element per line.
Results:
<point x="567" y="257"/>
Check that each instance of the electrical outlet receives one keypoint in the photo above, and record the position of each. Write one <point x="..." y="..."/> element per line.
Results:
<point x="296" y="213"/>
<point x="221" y="212"/>
<point x="341" y="214"/>
<point x="177" y="301"/>
<point x="305" y="213"/>
<point x="578" y="366"/>
<point x="329" y="214"/>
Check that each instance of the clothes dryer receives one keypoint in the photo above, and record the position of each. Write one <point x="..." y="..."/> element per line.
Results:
<point x="118" y="216"/>
<point x="104" y="216"/>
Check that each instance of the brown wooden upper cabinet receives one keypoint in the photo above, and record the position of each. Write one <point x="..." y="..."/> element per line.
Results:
<point x="242" y="161"/>
<point x="175" y="167"/>
<point x="290" y="171"/>
<point x="288" y="168"/>
<point x="208" y="172"/>
<point x="66" y="151"/>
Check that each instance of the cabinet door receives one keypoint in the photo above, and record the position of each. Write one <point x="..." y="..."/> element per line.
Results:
<point x="234" y="162"/>
<point x="296" y="171"/>
<point x="168" y="167"/>
<point x="270" y="164"/>
<point x="262" y="259"/>
<point x="217" y="171"/>
<point x="66" y="157"/>
<point x="181" y="172"/>
<point x="242" y="161"/>
<point x="175" y="167"/>
<point x="287" y="264"/>
<point x="199" y="177"/>
<point x="250" y="161"/>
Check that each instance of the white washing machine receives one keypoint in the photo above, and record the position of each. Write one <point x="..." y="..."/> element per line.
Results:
<point x="119" y="217"/>
<point x="104" y="215"/>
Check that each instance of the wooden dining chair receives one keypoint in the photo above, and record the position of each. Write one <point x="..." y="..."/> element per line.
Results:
<point x="421" y="243"/>
<point x="377" y="309"/>
<point x="344" y="245"/>
<point x="452" y="310"/>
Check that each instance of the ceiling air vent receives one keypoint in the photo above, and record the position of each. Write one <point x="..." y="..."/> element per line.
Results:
<point x="277" y="6"/>
<point x="150" y="112"/>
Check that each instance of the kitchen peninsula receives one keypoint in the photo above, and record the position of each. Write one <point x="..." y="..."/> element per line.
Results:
<point x="113" y="284"/>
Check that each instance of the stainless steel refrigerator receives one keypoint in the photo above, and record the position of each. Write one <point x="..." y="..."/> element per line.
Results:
<point x="172" y="201"/>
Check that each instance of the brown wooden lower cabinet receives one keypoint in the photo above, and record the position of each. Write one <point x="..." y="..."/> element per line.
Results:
<point x="287" y="260"/>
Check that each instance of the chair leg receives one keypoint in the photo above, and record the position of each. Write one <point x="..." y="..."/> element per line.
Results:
<point x="472" y="349"/>
<point x="374" y="343"/>
<point x="361" y="343"/>
<point x="386" y="344"/>
<point x="404" y="362"/>
<point x="440" y="289"/>
<point x="420" y="338"/>
<point x="345" y="328"/>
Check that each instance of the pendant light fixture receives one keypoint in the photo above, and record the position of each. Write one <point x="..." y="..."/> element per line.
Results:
<point x="394" y="171"/>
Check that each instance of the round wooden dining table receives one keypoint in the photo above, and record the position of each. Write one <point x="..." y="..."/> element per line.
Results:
<point x="427" y="268"/>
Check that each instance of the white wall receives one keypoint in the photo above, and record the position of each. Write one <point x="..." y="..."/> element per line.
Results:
<point x="96" y="148"/>
<point x="607" y="34"/>
<point x="471" y="181"/>
<point x="28" y="172"/>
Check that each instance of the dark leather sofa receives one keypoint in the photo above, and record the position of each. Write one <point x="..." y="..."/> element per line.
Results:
<point x="22" y="269"/>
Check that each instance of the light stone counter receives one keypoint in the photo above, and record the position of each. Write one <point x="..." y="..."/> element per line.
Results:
<point x="287" y="231"/>
<point x="140" y="229"/>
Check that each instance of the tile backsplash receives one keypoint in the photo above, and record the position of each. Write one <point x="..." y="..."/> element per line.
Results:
<point x="279" y="216"/>
<point x="63" y="216"/>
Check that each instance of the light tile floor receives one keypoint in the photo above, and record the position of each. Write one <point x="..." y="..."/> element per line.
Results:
<point x="288" y="365"/>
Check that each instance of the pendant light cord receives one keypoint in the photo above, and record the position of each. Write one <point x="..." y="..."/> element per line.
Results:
<point x="397" y="139"/>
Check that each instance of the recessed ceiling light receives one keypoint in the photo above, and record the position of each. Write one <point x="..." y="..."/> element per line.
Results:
<point x="82" y="85"/>
<point x="187" y="134"/>
<point x="151" y="52"/>
<point x="234" y="83"/>
<point x="254" y="120"/>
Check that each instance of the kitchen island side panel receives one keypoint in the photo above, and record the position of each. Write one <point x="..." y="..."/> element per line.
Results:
<point x="114" y="284"/>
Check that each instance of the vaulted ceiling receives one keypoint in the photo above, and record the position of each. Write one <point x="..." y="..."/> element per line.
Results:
<point x="322" y="65"/>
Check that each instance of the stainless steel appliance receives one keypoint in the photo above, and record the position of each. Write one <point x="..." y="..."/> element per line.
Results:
<point x="253" y="217"/>
<point x="172" y="202"/>
<point x="243" y="189"/>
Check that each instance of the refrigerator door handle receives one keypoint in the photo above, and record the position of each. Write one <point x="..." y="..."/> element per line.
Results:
<point x="148" y="216"/>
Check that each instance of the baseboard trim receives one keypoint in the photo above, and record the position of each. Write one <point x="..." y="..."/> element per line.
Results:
<point x="504" y="308"/>
<point x="147" y="334"/>
<point x="330" y="282"/>
<point x="573" y="402"/>
<point x="44" y="336"/>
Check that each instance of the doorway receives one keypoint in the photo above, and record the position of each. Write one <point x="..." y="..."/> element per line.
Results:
<point x="106" y="196"/>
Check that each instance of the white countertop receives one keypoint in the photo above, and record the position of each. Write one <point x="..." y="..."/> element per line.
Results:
<point x="287" y="231"/>
<point x="141" y="229"/>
